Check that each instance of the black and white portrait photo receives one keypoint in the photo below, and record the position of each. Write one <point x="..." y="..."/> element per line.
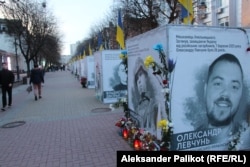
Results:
<point x="147" y="98"/>
<point x="119" y="80"/>
<point x="212" y="102"/>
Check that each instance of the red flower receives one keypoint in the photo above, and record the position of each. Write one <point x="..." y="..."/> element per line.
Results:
<point x="165" y="82"/>
<point x="121" y="122"/>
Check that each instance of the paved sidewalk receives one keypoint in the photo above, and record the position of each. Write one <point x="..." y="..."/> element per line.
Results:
<point x="61" y="129"/>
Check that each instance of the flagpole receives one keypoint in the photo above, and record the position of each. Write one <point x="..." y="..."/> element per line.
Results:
<point x="188" y="12"/>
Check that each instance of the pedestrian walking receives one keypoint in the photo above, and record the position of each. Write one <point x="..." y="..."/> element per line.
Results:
<point x="36" y="78"/>
<point x="43" y="72"/>
<point x="6" y="80"/>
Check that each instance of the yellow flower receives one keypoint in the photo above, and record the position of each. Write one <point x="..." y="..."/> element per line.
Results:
<point x="122" y="56"/>
<point x="149" y="60"/>
<point x="133" y="130"/>
<point x="162" y="123"/>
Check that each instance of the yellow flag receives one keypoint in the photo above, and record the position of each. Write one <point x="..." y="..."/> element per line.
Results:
<point x="119" y="31"/>
<point x="186" y="11"/>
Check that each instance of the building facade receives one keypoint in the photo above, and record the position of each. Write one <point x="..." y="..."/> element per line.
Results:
<point x="9" y="52"/>
<point x="232" y="13"/>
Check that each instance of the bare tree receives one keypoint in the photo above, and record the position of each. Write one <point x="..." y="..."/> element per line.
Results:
<point x="28" y="23"/>
<point x="143" y="15"/>
<point x="170" y="12"/>
<point x="50" y="52"/>
<point x="139" y="16"/>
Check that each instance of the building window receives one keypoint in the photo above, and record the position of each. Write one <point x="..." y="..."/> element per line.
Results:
<point x="224" y="22"/>
<point x="219" y="3"/>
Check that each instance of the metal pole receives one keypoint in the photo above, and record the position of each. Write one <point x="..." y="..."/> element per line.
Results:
<point x="189" y="21"/>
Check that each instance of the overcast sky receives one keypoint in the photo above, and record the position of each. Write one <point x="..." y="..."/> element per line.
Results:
<point x="76" y="17"/>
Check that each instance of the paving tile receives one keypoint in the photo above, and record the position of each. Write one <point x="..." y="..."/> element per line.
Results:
<point x="60" y="129"/>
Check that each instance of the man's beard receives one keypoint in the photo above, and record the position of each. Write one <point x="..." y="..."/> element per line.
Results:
<point x="218" y="122"/>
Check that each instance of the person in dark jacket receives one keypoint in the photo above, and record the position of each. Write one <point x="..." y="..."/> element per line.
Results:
<point x="36" y="78"/>
<point x="6" y="80"/>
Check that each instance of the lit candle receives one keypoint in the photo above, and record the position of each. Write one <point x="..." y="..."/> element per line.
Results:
<point x="125" y="133"/>
<point x="137" y="144"/>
